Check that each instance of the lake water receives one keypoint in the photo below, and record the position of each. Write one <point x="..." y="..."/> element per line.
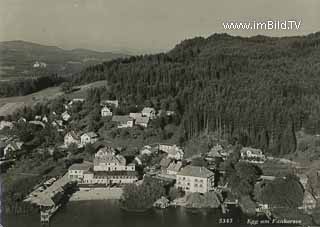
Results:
<point x="108" y="214"/>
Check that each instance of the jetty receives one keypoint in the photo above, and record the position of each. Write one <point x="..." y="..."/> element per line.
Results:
<point x="50" y="196"/>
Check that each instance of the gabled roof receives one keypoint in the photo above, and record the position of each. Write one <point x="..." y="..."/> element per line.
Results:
<point x="175" y="166"/>
<point x="81" y="166"/>
<point x="142" y="120"/>
<point x="196" y="171"/>
<point x="73" y="135"/>
<point x="121" y="118"/>
<point x="91" y="134"/>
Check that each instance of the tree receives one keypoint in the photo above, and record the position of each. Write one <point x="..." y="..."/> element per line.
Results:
<point x="283" y="192"/>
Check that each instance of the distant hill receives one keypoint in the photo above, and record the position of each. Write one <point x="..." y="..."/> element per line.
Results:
<point x="19" y="59"/>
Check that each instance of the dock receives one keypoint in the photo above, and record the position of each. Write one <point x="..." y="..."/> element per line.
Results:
<point x="50" y="197"/>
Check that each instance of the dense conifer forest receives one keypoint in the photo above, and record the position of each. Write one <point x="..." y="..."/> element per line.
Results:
<point x="258" y="91"/>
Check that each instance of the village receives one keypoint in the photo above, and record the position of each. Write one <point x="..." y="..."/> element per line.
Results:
<point x="106" y="169"/>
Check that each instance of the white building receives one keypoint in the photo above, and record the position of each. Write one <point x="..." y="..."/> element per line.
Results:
<point x="6" y="124"/>
<point x="149" y="112"/>
<point x="65" y="116"/>
<point x="89" y="138"/>
<point x="72" y="138"/>
<point x="76" y="171"/>
<point x="106" y="159"/>
<point x="195" y="179"/>
<point x="252" y="155"/>
<point x="106" y="112"/>
<point x="12" y="147"/>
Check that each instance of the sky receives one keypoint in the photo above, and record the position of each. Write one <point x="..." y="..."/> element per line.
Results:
<point x="143" y="26"/>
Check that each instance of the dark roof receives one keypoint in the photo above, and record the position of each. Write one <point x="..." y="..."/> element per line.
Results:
<point x="196" y="171"/>
<point x="81" y="166"/>
<point x="115" y="173"/>
<point x="121" y="118"/>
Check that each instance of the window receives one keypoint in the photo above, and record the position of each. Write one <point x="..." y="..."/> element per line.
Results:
<point x="195" y="185"/>
<point x="200" y="185"/>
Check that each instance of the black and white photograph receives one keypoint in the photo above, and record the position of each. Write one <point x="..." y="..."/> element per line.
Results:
<point x="159" y="113"/>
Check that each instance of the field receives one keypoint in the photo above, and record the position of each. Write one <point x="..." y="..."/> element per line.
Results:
<point x="11" y="104"/>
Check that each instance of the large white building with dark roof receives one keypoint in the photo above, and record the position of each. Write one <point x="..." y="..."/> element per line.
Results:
<point x="195" y="179"/>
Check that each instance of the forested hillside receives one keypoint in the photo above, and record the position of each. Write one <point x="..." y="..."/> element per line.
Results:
<point x="257" y="90"/>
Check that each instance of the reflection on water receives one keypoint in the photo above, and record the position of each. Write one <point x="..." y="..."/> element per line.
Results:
<point x="108" y="214"/>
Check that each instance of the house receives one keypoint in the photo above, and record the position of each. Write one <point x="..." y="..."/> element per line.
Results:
<point x="45" y="119"/>
<point x="173" y="151"/>
<point x="76" y="100"/>
<point x="22" y="120"/>
<point x="12" y="147"/>
<point x="195" y="179"/>
<point x="174" y="168"/>
<point x="6" y="124"/>
<point x="142" y="121"/>
<point x="65" y="116"/>
<point x="106" y="112"/>
<point x="38" y="64"/>
<point x="135" y="115"/>
<point x="110" y="103"/>
<point x="252" y="155"/>
<point x="76" y="171"/>
<point x="37" y="117"/>
<point x="57" y="123"/>
<point x="88" y="138"/>
<point x="106" y="159"/>
<point x="123" y="121"/>
<point x="149" y="112"/>
<point x="72" y="138"/>
<point x="146" y="150"/>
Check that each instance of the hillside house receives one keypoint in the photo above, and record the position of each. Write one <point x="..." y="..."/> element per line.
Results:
<point x="123" y="121"/>
<point x="57" y="123"/>
<point x="252" y="155"/>
<point x="72" y="138"/>
<point x="195" y="179"/>
<point x="106" y="112"/>
<point x="142" y="121"/>
<point x="76" y="100"/>
<point x="6" y="124"/>
<point x="65" y="116"/>
<point x="76" y="171"/>
<point x="12" y="146"/>
<point x="110" y="103"/>
<point x="135" y="115"/>
<point x="22" y="120"/>
<point x="39" y="64"/>
<point x="88" y="138"/>
<point x="149" y="112"/>
<point x="146" y="150"/>
<point x="173" y="151"/>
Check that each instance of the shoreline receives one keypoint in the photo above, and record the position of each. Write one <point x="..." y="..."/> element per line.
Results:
<point x="91" y="194"/>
